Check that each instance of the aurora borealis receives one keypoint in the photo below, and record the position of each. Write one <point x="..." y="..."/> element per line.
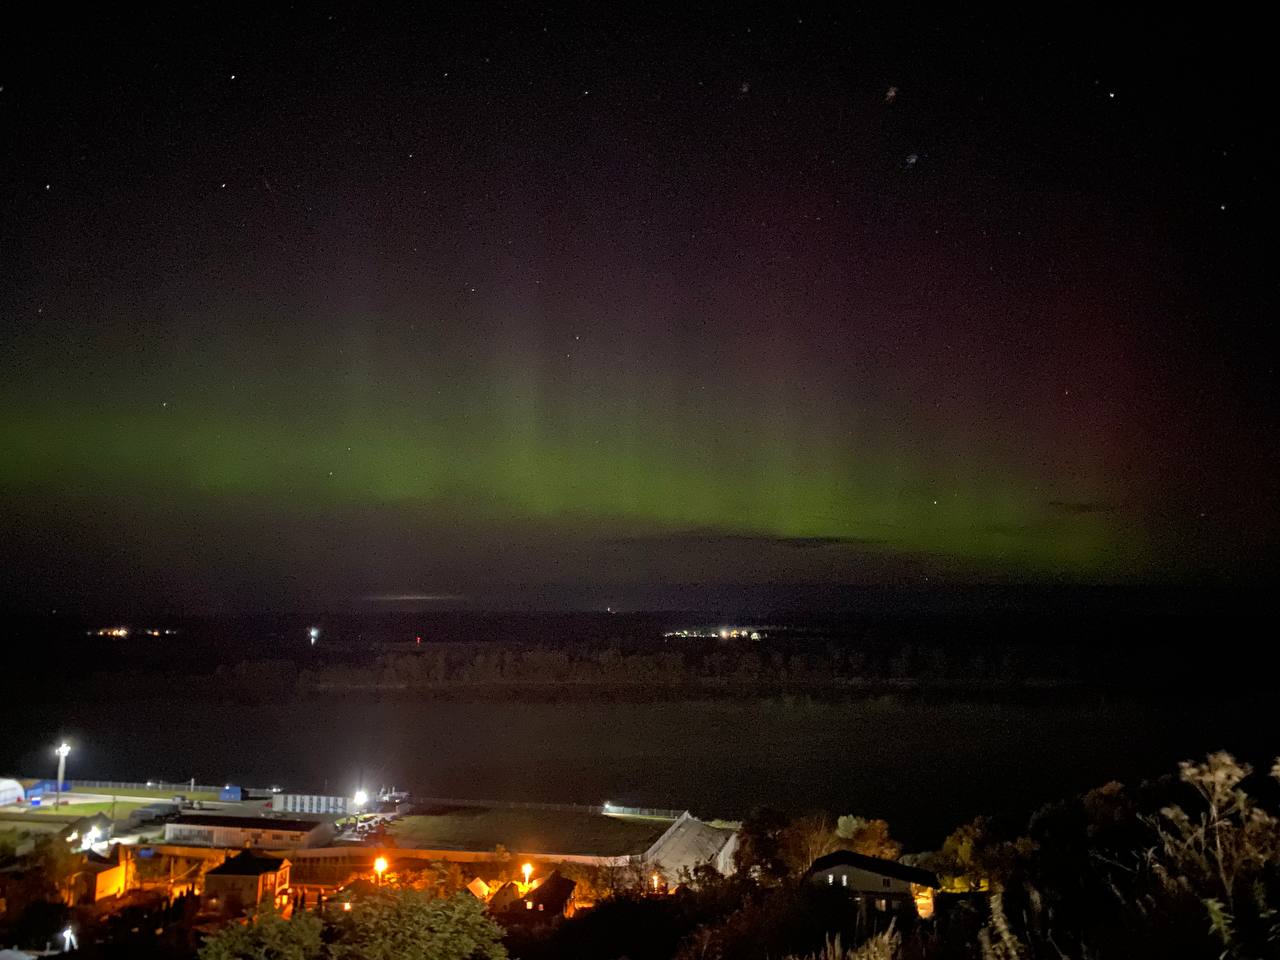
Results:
<point x="320" y="307"/>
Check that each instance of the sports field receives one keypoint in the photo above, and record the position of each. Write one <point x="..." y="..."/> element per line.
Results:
<point x="527" y="831"/>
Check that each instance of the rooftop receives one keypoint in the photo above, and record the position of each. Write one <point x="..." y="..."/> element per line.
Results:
<point x="245" y="823"/>
<point x="247" y="864"/>
<point x="885" y="868"/>
<point x="688" y="843"/>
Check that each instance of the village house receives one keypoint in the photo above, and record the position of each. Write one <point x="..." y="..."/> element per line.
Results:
<point x="876" y="884"/>
<point x="245" y="880"/>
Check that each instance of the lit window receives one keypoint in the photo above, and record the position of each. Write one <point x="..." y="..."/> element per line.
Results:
<point x="831" y="878"/>
<point x="528" y="904"/>
<point x="844" y="879"/>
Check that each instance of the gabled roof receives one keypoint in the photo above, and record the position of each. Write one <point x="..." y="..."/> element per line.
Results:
<point x="553" y="892"/>
<point x="884" y="868"/>
<point x="687" y="843"/>
<point x="247" y="864"/>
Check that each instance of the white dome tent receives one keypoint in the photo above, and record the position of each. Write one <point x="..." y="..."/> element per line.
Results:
<point x="10" y="792"/>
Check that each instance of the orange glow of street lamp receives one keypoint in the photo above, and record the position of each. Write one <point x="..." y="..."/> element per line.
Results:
<point x="526" y="870"/>
<point x="655" y="883"/>
<point x="380" y="867"/>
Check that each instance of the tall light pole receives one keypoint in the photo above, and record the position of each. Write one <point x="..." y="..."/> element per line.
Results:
<point x="62" y="751"/>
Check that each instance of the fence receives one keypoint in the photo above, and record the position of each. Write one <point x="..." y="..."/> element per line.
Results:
<point x="595" y="809"/>
<point x="591" y="808"/>
<point x="175" y="786"/>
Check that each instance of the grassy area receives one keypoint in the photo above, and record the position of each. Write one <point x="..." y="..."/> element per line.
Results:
<point x="122" y="809"/>
<point x="168" y="793"/>
<point x="527" y="831"/>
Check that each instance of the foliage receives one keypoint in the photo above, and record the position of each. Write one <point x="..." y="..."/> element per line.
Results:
<point x="1109" y="877"/>
<point x="1225" y="854"/>
<point x="869" y="837"/>
<point x="882" y="946"/>
<point x="267" y="936"/>
<point x="975" y="857"/>
<point x="760" y="853"/>
<point x="808" y="838"/>
<point x="392" y="924"/>
<point x="406" y="924"/>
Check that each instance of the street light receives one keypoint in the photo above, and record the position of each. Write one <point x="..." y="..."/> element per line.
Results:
<point x="361" y="798"/>
<point x="380" y="867"/>
<point x="526" y="870"/>
<point x="63" y="749"/>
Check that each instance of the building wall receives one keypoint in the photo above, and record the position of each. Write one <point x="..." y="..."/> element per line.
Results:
<point x="863" y="881"/>
<point x="247" y="891"/>
<point x="309" y="803"/>
<point x="109" y="883"/>
<point x="265" y="836"/>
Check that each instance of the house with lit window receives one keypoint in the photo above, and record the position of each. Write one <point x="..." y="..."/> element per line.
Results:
<point x="544" y="898"/>
<point x="874" y="884"/>
<point x="245" y="880"/>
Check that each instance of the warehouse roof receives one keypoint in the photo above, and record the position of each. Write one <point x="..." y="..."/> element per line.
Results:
<point x="247" y="865"/>
<point x="687" y="843"/>
<point x="245" y="823"/>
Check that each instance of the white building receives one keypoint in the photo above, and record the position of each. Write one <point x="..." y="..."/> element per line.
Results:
<point x="875" y="884"/>
<point x="217" y="830"/>
<point x="689" y="842"/>
<point x="311" y="803"/>
<point x="11" y="792"/>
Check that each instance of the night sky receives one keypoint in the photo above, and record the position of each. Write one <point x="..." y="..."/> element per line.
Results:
<point x="323" y="306"/>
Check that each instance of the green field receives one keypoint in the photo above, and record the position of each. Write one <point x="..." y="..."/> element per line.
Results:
<point x="527" y="831"/>
<point x="168" y="793"/>
<point x="122" y="809"/>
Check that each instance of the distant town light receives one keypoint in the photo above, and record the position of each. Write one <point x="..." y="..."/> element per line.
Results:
<point x="380" y="866"/>
<point x="361" y="798"/>
<point x="346" y="905"/>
